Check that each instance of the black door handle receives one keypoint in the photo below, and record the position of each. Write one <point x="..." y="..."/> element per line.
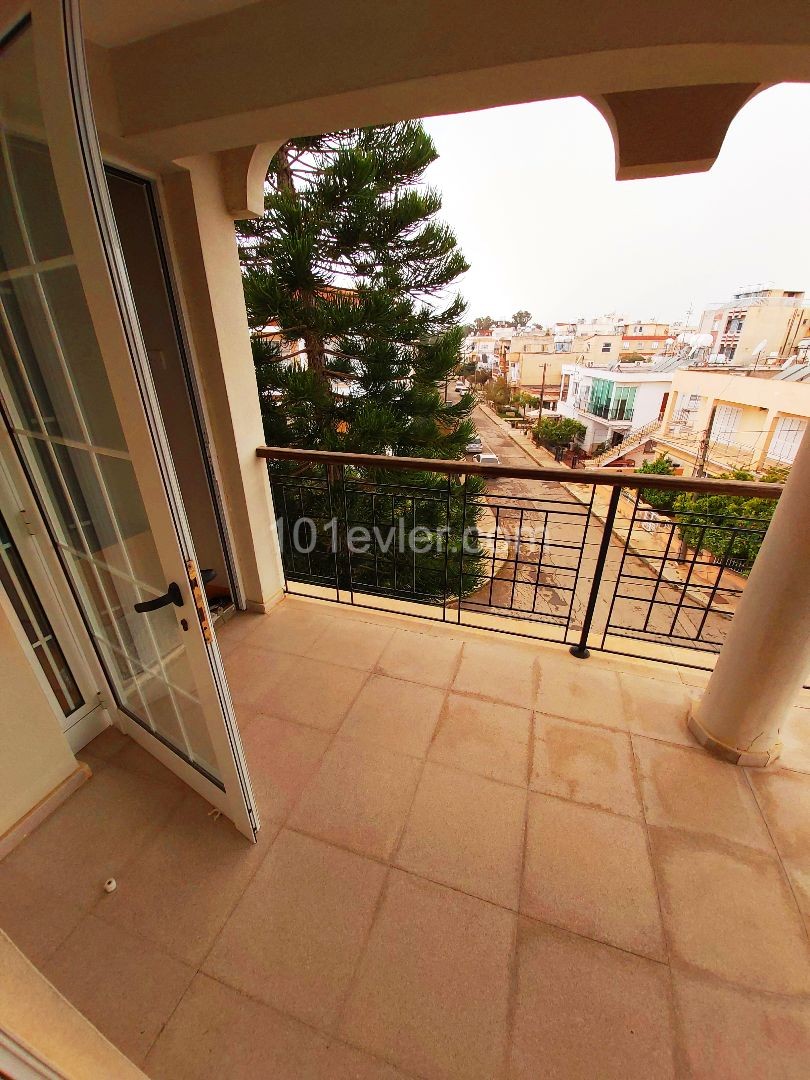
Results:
<point x="171" y="596"/>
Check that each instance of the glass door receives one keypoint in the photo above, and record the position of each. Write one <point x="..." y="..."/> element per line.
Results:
<point x="79" y="403"/>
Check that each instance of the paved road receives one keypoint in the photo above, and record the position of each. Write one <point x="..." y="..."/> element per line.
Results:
<point x="544" y="572"/>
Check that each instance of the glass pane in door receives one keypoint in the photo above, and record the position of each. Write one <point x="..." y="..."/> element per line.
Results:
<point x="19" y="588"/>
<point x="62" y="415"/>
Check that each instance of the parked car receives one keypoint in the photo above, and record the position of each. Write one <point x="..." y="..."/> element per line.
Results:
<point x="475" y="447"/>
<point x="488" y="459"/>
<point x="461" y="388"/>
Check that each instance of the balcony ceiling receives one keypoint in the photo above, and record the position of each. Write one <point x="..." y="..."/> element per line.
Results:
<point x="115" y="24"/>
<point x="185" y="77"/>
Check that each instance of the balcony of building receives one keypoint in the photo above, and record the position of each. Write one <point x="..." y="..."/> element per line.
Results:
<point x="479" y="859"/>
<point x="481" y="855"/>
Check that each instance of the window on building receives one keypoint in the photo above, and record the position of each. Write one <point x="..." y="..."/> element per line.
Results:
<point x="605" y="346"/>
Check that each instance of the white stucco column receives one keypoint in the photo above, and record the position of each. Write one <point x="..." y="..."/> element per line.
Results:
<point x="766" y="657"/>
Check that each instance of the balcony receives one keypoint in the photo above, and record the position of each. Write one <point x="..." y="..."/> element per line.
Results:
<point x="480" y="857"/>
<point x="610" y="411"/>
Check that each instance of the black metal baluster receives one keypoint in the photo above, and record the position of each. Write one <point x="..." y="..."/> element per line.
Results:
<point x="580" y="650"/>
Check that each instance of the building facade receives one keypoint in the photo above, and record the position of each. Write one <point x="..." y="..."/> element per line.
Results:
<point x="758" y="326"/>
<point x="611" y="403"/>
<point x="747" y="423"/>
<point x="647" y="339"/>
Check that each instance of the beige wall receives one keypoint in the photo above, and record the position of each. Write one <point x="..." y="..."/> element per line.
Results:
<point x="763" y="402"/>
<point x="209" y="276"/>
<point x="34" y="755"/>
<point x="531" y="367"/>
<point x="769" y="324"/>
<point x="35" y="1016"/>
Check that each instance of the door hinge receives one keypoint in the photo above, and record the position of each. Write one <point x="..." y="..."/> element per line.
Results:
<point x="30" y="523"/>
<point x="106" y="702"/>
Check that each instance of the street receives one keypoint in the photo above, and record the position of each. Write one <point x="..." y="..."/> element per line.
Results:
<point x="544" y="549"/>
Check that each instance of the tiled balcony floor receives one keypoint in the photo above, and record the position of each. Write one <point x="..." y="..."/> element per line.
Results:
<point x="480" y="858"/>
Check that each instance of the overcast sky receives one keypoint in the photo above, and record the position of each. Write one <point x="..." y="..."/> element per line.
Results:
<point x="530" y="192"/>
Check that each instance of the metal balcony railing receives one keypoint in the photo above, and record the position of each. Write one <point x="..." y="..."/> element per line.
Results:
<point x="548" y="553"/>
<point x="607" y="411"/>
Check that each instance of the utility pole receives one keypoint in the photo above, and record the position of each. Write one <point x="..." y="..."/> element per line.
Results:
<point x="703" y="449"/>
<point x="542" y="392"/>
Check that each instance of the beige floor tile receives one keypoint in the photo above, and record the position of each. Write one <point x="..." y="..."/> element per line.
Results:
<point x="422" y="658"/>
<point x="689" y="789"/>
<point x="785" y="801"/>
<point x="237" y="628"/>
<point x="588" y="764"/>
<point x="217" y="1032"/>
<point x="180" y="889"/>
<point x="96" y="833"/>
<point x="351" y="643"/>
<point x="735" y="1034"/>
<point x="134" y="759"/>
<point x="289" y="629"/>
<point x="575" y="691"/>
<point x="122" y="984"/>
<point x="796" y="742"/>
<point x="484" y="737"/>
<point x="431" y="992"/>
<point x="281" y="759"/>
<point x="729" y="910"/>
<point x="311" y="692"/>
<point x="657" y="709"/>
<point x="36" y="917"/>
<point x="499" y="672"/>
<point x="296" y="935"/>
<point x="589" y="871"/>
<point x="359" y="798"/>
<point x="101" y="750"/>
<point x="467" y="832"/>
<point x="251" y="672"/>
<point x="694" y="677"/>
<point x="584" y="1010"/>
<point x="398" y="715"/>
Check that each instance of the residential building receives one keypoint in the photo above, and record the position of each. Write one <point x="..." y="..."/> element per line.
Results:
<point x="487" y="348"/>
<point x="648" y="339"/>
<point x="331" y="836"/>
<point x="610" y="402"/>
<point x="758" y="326"/>
<point x="748" y="423"/>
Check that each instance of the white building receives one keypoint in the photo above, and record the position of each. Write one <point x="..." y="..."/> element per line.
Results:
<point x="611" y="403"/>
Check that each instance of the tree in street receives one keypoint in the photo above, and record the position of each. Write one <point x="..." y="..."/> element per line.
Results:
<point x="521" y="319"/>
<point x="729" y="527"/>
<point x="658" y="499"/>
<point x="483" y="323"/>
<point x="557" y="433"/>
<point x="525" y="401"/>
<point x="348" y="281"/>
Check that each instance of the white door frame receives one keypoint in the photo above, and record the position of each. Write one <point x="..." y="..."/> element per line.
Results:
<point x="78" y="169"/>
<point x="29" y="534"/>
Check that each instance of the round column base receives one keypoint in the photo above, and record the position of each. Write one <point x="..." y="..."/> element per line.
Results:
<point x="757" y="759"/>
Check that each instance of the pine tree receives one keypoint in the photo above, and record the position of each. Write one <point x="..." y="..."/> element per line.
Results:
<point x="355" y="328"/>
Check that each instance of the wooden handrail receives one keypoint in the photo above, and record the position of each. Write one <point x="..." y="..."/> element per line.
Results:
<point x="597" y="477"/>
